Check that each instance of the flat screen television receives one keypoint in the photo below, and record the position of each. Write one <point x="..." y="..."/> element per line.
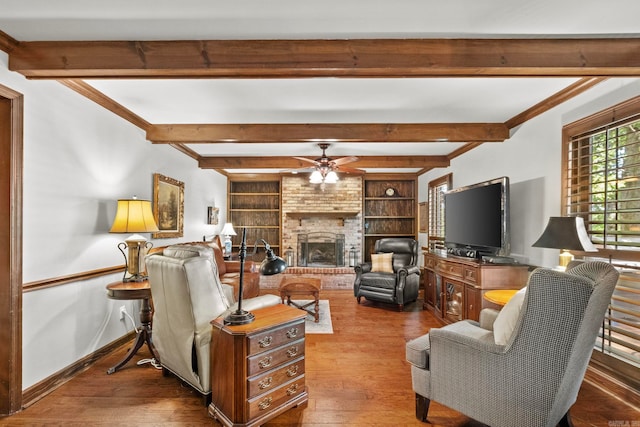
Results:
<point x="477" y="219"/>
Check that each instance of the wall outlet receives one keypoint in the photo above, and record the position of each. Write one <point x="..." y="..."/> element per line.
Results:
<point x="123" y="310"/>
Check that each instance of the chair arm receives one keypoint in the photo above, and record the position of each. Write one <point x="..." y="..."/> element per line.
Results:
<point x="234" y="266"/>
<point x="466" y="333"/>
<point x="487" y="317"/>
<point x="410" y="269"/>
<point x="364" y="267"/>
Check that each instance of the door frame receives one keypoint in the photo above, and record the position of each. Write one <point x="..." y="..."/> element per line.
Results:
<point x="11" y="184"/>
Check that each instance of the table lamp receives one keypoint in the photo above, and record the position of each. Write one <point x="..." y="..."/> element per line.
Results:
<point x="227" y="232"/>
<point x="272" y="264"/>
<point x="566" y="233"/>
<point x="134" y="216"/>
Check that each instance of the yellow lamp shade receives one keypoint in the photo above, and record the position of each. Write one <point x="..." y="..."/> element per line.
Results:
<point x="134" y="216"/>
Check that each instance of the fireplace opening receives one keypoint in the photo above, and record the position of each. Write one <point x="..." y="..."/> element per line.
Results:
<point x="320" y="250"/>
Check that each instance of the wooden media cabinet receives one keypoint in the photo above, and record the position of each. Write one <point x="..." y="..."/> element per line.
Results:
<point x="454" y="286"/>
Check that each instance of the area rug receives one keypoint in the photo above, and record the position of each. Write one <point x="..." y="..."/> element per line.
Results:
<point x="324" y="325"/>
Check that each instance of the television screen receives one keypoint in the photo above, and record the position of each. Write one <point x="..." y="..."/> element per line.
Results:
<point x="477" y="217"/>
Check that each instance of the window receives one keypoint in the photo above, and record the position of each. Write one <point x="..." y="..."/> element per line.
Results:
<point x="602" y="178"/>
<point x="601" y="184"/>
<point x="437" y="188"/>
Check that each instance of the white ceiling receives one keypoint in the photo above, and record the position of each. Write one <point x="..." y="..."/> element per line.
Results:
<point x="321" y="100"/>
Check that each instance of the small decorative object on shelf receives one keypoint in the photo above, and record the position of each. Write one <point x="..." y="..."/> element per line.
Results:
<point x="390" y="192"/>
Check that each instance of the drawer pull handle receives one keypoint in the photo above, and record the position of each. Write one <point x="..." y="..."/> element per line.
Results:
<point x="264" y="404"/>
<point x="292" y="390"/>
<point x="292" y="333"/>
<point x="265" y="383"/>
<point x="265" y="342"/>
<point x="292" y="371"/>
<point x="292" y="352"/>
<point x="265" y="362"/>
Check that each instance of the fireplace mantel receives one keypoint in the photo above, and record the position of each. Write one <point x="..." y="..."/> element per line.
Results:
<point x="300" y="215"/>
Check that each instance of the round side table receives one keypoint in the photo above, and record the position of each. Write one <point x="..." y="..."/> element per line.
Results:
<point x="500" y="296"/>
<point x="130" y="291"/>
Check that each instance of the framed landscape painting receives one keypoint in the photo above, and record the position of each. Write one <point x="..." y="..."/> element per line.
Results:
<point x="168" y="206"/>
<point x="423" y="219"/>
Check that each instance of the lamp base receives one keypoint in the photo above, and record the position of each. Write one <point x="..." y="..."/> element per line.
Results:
<point x="239" y="318"/>
<point x="135" y="278"/>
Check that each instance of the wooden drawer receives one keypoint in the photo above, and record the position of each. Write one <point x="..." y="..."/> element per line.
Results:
<point x="429" y="263"/>
<point x="266" y="402"/>
<point x="450" y="269"/>
<point x="275" y="338"/>
<point x="265" y="361"/>
<point x="273" y="379"/>
<point x="470" y="274"/>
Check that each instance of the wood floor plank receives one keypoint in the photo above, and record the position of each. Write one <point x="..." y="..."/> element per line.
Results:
<point x="356" y="376"/>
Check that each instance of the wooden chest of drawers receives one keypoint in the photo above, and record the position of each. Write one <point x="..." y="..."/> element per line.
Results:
<point x="257" y="369"/>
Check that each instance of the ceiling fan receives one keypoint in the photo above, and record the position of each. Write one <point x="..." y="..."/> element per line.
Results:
<point x="325" y="168"/>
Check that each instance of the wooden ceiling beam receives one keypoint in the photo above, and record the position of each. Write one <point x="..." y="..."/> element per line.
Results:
<point x="327" y="58"/>
<point x="328" y="132"/>
<point x="283" y="162"/>
<point x="7" y="43"/>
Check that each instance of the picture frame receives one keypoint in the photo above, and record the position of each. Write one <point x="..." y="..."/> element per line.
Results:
<point x="212" y="215"/>
<point x="168" y="206"/>
<point x="423" y="217"/>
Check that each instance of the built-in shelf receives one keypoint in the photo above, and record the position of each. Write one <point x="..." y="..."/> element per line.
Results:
<point x="254" y="205"/>
<point x="389" y="209"/>
<point x="327" y="214"/>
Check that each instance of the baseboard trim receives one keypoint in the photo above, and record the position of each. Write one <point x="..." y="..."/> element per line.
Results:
<point x="39" y="390"/>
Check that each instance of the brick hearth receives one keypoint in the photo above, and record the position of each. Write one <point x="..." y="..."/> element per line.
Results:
<point x="330" y="278"/>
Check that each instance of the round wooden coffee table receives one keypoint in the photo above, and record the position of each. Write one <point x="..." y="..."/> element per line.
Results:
<point x="302" y="286"/>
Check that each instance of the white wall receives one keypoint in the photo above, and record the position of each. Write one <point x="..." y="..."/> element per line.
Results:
<point x="79" y="159"/>
<point x="531" y="158"/>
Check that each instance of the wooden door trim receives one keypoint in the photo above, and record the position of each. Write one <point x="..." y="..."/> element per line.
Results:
<point x="11" y="179"/>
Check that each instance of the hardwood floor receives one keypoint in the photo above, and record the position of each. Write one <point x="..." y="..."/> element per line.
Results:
<point x="357" y="376"/>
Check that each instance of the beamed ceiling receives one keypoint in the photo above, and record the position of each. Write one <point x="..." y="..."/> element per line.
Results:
<point x="245" y="88"/>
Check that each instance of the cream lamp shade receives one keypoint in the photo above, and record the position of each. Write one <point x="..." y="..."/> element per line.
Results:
<point x="134" y="216"/>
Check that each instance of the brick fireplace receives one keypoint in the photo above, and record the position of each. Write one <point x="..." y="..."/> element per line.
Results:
<point x="308" y="210"/>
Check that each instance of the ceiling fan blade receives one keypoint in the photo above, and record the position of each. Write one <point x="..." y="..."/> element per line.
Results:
<point x="304" y="159"/>
<point x="298" y="170"/>
<point x="343" y="160"/>
<point x="346" y="169"/>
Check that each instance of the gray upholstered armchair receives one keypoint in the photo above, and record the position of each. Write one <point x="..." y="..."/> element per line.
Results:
<point x="393" y="276"/>
<point x="187" y="296"/>
<point x="531" y="380"/>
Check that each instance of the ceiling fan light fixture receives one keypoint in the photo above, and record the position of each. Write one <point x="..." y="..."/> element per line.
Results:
<point x="331" y="177"/>
<point x="315" y="177"/>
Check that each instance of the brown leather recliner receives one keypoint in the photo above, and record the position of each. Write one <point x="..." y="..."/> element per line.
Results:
<point x="229" y="271"/>
<point x="400" y="284"/>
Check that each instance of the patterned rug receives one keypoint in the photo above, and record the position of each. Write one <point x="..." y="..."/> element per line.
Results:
<point x="324" y="325"/>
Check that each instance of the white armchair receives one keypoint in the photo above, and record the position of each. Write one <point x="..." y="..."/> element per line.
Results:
<point x="533" y="379"/>
<point x="187" y="295"/>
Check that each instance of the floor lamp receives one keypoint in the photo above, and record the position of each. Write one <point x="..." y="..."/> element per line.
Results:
<point x="272" y="264"/>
